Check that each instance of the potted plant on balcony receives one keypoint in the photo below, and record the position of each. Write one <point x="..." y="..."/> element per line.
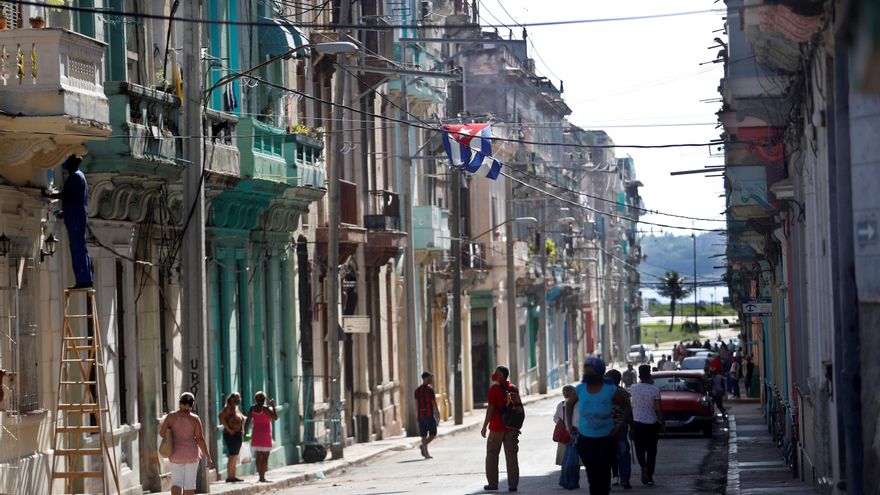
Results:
<point x="3" y="22"/>
<point x="37" y="22"/>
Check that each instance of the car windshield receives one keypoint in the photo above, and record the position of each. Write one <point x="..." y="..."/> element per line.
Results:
<point x="693" y="364"/>
<point x="679" y="384"/>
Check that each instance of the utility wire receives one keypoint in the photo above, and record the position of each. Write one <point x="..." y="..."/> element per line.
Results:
<point x="373" y="27"/>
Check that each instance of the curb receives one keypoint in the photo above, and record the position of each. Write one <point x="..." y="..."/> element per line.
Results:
<point x="733" y="486"/>
<point x="348" y="462"/>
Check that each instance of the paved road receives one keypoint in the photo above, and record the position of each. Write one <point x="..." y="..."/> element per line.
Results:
<point x="457" y="466"/>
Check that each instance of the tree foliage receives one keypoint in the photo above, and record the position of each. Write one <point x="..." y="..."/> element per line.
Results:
<point x="673" y="287"/>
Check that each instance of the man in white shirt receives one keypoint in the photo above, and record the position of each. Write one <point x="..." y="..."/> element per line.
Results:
<point x="647" y="414"/>
<point x="669" y="365"/>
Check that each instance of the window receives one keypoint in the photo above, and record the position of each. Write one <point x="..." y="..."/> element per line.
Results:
<point x="18" y="326"/>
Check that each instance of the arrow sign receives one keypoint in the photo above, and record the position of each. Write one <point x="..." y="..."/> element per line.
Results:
<point x="866" y="232"/>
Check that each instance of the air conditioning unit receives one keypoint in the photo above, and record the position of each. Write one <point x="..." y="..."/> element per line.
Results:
<point x="426" y="7"/>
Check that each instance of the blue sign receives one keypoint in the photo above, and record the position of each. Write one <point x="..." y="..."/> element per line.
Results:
<point x="866" y="232"/>
<point x="757" y="307"/>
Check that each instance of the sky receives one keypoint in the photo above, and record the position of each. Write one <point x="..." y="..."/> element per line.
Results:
<point x="623" y="74"/>
<point x="637" y="72"/>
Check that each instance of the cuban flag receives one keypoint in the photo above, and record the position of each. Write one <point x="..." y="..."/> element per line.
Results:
<point x="468" y="145"/>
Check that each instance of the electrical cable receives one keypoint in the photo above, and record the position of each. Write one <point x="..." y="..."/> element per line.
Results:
<point x="367" y="27"/>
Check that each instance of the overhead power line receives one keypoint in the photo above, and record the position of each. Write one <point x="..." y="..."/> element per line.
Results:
<point x="374" y="27"/>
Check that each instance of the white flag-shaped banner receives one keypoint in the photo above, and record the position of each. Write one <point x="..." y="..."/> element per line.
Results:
<point x="468" y="145"/>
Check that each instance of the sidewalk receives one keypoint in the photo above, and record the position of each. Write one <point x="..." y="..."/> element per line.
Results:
<point x="755" y="463"/>
<point x="354" y="455"/>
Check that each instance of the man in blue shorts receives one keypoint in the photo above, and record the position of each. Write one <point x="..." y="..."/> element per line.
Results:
<point x="426" y="405"/>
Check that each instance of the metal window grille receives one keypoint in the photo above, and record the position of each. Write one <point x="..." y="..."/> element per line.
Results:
<point x="13" y="14"/>
<point x="20" y="326"/>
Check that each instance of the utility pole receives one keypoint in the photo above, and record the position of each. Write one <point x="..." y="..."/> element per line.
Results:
<point x="192" y="278"/>
<point x="333" y="239"/>
<point x="542" y="322"/>
<point x="696" y="307"/>
<point x="409" y="372"/>
<point x="512" y="327"/>
<point x="455" y="232"/>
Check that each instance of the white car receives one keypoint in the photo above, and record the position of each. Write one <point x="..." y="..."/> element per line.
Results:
<point x="638" y="354"/>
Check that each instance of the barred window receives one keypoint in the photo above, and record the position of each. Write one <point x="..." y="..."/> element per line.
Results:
<point x="18" y="328"/>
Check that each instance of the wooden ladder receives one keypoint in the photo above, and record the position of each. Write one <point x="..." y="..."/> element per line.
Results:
<point x="83" y="408"/>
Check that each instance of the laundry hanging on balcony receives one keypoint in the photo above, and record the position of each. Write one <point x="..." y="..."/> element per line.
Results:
<point x="468" y="145"/>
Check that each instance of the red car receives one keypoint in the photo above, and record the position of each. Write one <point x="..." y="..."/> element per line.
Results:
<point x="686" y="401"/>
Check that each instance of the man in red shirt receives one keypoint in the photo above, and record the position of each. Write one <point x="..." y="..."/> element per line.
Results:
<point x="499" y="434"/>
<point x="426" y="405"/>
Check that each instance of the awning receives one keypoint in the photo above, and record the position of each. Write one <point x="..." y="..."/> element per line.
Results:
<point x="278" y="37"/>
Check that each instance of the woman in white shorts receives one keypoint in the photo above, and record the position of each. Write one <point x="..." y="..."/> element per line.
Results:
<point x="189" y="446"/>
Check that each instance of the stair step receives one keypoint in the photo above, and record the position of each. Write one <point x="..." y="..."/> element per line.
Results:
<point x="78" y="429"/>
<point x="72" y="475"/>
<point x="78" y="316"/>
<point x="83" y="360"/>
<point x="80" y="382"/>
<point x="80" y="348"/>
<point x="80" y="407"/>
<point x="76" y="452"/>
<point x="80" y="338"/>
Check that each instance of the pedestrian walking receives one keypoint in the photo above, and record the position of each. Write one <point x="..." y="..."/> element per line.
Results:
<point x="596" y="428"/>
<point x="734" y="377"/>
<point x="426" y="405"/>
<point x="233" y="434"/>
<point x="669" y="365"/>
<point x="647" y="413"/>
<point x="629" y="376"/>
<point x="561" y="421"/>
<point x="718" y="391"/>
<point x="188" y="445"/>
<point x="621" y="467"/>
<point x="499" y="434"/>
<point x="261" y="417"/>
<point x="662" y="362"/>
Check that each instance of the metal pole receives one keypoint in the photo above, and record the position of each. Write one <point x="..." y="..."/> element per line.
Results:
<point x="512" y="327"/>
<point x="542" y="324"/>
<point x="195" y="349"/>
<point x="408" y="374"/>
<point x="455" y="232"/>
<point x="696" y="307"/>
<point x="333" y="241"/>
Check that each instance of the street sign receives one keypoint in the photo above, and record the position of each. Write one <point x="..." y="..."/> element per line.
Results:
<point x="757" y="307"/>
<point x="356" y="324"/>
<point x="866" y="232"/>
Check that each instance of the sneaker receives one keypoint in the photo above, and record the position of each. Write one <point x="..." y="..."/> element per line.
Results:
<point x="423" y="450"/>
<point x="615" y="481"/>
<point x="650" y="482"/>
<point x="626" y="485"/>
<point x="490" y="488"/>
<point x="511" y="489"/>
<point x="645" y="479"/>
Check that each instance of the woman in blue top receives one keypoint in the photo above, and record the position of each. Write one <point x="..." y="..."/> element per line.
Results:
<point x="596" y="428"/>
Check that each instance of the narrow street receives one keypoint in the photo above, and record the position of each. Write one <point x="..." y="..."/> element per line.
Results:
<point x="457" y="466"/>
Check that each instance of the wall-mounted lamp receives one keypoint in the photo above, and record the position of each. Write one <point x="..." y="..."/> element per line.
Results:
<point x="5" y="244"/>
<point x="51" y="244"/>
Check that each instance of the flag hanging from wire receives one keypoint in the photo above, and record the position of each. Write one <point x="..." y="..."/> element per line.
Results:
<point x="468" y="145"/>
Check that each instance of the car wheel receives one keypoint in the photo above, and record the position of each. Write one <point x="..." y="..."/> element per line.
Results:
<point x="707" y="431"/>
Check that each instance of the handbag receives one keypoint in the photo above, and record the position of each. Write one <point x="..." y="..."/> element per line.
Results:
<point x="166" y="447"/>
<point x="569" y="476"/>
<point x="561" y="434"/>
<point x="245" y="455"/>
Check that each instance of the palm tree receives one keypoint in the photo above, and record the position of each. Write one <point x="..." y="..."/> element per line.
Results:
<point x="672" y="286"/>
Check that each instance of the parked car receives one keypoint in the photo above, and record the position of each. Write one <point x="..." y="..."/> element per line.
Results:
<point x="638" y="354"/>
<point x="684" y="396"/>
<point x="698" y="363"/>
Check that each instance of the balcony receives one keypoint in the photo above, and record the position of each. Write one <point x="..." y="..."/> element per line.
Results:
<point x="146" y="124"/>
<point x="262" y="152"/>
<point x="305" y="158"/>
<point x="473" y="256"/>
<point x="221" y="154"/>
<point x="430" y="228"/>
<point x="384" y="238"/>
<point x="54" y="104"/>
<point x="350" y="234"/>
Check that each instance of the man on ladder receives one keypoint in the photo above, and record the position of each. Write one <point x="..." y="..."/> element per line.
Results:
<point x="75" y="210"/>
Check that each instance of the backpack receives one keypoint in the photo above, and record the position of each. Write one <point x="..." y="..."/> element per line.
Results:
<point x="513" y="414"/>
